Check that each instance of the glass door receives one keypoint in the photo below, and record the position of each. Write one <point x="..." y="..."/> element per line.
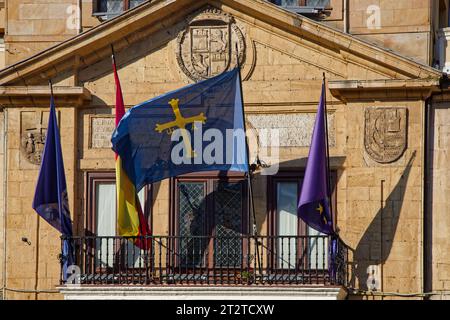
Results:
<point x="102" y="222"/>
<point x="296" y="245"/>
<point x="209" y="216"/>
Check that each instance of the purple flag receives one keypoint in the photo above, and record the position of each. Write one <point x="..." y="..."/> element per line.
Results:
<point x="314" y="204"/>
<point x="50" y="199"/>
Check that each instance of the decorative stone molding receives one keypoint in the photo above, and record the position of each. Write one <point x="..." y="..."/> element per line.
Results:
<point x="202" y="293"/>
<point x="385" y="134"/>
<point x="211" y="44"/>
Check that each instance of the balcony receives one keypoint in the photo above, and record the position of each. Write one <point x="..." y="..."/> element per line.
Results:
<point x="238" y="262"/>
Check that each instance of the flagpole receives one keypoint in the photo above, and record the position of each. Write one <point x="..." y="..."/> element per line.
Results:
<point x="38" y="225"/>
<point x="36" y="279"/>
<point x="328" y="152"/>
<point x="332" y="249"/>
<point x="249" y="174"/>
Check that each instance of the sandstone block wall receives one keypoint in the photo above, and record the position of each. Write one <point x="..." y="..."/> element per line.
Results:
<point x="33" y="26"/>
<point x="439" y="201"/>
<point x="381" y="221"/>
<point x="402" y="26"/>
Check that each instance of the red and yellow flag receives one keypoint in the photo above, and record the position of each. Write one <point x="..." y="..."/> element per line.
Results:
<point x="131" y="221"/>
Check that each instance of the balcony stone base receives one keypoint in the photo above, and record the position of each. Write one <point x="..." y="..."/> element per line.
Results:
<point x="201" y="293"/>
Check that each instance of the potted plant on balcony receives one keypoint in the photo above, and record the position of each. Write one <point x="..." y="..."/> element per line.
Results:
<point x="247" y="277"/>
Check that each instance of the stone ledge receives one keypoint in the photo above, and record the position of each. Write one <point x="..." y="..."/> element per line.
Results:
<point x="12" y="96"/>
<point x="361" y="90"/>
<point x="201" y="293"/>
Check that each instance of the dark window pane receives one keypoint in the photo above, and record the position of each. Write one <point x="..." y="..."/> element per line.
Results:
<point x="110" y="6"/>
<point x="191" y="221"/>
<point x="289" y="2"/>
<point x="134" y="3"/>
<point x="228" y="223"/>
<point x="300" y="3"/>
<point x="318" y="3"/>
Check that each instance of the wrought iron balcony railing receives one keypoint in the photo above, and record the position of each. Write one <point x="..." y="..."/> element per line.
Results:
<point x="196" y="260"/>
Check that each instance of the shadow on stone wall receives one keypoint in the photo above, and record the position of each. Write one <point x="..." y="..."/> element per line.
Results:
<point x="371" y="249"/>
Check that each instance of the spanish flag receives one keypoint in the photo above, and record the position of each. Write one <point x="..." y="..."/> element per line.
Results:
<point x="130" y="218"/>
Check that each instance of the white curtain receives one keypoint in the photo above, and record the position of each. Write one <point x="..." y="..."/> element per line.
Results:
<point x="135" y="258"/>
<point x="287" y="195"/>
<point x="287" y="198"/>
<point x="318" y="250"/>
<point x="106" y="226"/>
<point x="106" y="222"/>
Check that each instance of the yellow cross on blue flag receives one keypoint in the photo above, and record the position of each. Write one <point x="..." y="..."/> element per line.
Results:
<point x="196" y="128"/>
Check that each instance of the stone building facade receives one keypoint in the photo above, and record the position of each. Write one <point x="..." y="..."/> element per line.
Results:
<point x="387" y="109"/>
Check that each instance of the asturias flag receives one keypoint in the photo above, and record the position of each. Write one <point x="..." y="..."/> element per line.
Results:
<point x="50" y="198"/>
<point x="196" y="128"/>
<point x="314" y="204"/>
<point x="131" y="221"/>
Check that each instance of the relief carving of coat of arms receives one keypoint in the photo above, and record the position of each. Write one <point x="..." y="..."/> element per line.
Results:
<point x="211" y="44"/>
<point x="33" y="133"/>
<point x="385" y="137"/>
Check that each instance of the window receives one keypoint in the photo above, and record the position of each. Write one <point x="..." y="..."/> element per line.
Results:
<point x="292" y="252"/>
<point x="102" y="219"/>
<point x="302" y="3"/>
<point x="307" y="7"/>
<point x="111" y="8"/>
<point x="205" y="208"/>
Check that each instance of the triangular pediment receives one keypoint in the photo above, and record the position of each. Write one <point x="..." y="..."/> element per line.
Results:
<point x="154" y="43"/>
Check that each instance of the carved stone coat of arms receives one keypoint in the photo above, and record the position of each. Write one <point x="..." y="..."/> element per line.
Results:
<point x="33" y="146"/>
<point x="210" y="45"/>
<point x="33" y="133"/>
<point x="385" y="138"/>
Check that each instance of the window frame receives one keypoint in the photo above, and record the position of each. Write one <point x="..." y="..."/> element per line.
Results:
<point x="272" y="223"/>
<point x="289" y="176"/>
<point x="96" y="8"/>
<point x="208" y="178"/>
<point x="300" y="4"/>
<point x="303" y="8"/>
<point x="92" y="179"/>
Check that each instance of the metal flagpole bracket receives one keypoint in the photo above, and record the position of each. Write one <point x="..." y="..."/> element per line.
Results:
<point x="50" y="84"/>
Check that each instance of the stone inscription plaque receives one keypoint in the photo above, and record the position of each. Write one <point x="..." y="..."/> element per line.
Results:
<point x="101" y="129"/>
<point x="295" y="129"/>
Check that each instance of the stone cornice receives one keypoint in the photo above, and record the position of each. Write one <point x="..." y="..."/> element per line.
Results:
<point x="144" y="19"/>
<point x="326" y="34"/>
<point x="359" y="90"/>
<point x="97" y="39"/>
<point x="206" y="292"/>
<point x="39" y="96"/>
